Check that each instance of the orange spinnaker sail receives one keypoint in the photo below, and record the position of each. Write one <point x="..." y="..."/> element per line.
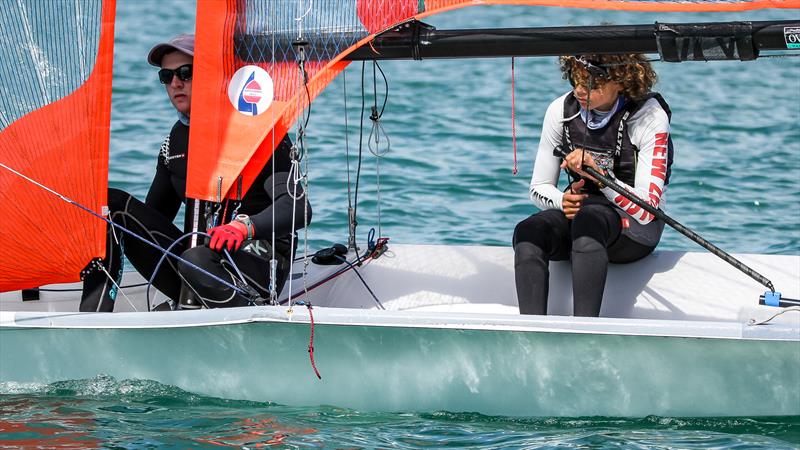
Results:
<point x="231" y="34"/>
<point x="62" y="144"/>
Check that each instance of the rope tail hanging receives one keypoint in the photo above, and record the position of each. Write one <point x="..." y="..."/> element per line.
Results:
<point x="311" y="336"/>
<point x="513" y="119"/>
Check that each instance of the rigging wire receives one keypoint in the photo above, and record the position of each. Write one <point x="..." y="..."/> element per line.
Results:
<point x="300" y="175"/>
<point x="351" y="220"/>
<point x="273" y="262"/>
<point x="360" y="142"/>
<point x="363" y="281"/>
<point x="372" y="252"/>
<point x="126" y="286"/>
<point x="513" y="119"/>
<point x="376" y="131"/>
<point x="118" y="288"/>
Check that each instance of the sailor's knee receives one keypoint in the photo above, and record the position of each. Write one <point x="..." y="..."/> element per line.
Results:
<point x="535" y="227"/>
<point x="117" y="199"/>
<point x="587" y="244"/>
<point x="192" y="258"/>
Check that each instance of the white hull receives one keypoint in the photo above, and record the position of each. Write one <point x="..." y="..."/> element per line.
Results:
<point x="675" y="341"/>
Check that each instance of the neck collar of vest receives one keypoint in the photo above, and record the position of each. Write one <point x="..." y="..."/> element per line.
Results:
<point x="183" y="118"/>
<point x="596" y="120"/>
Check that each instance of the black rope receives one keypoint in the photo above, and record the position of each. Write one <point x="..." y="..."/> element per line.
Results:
<point x="377" y="115"/>
<point x="360" y="142"/>
<point x="363" y="281"/>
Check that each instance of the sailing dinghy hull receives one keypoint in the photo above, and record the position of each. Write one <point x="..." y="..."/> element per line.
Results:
<point x="378" y="361"/>
<point x="437" y="351"/>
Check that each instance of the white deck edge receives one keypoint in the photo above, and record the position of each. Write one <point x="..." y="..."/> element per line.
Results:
<point x="402" y="319"/>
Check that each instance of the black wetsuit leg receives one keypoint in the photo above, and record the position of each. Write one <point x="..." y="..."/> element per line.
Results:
<point x="596" y="241"/>
<point x="594" y="228"/>
<point x="591" y="240"/>
<point x="98" y="291"/>
<point x="540" y="238"/>
<point x="254" y="267"/>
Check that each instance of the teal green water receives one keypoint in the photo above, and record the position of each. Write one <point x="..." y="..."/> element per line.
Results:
<point x="447" y="179"/>
<point x="107" y="413"/>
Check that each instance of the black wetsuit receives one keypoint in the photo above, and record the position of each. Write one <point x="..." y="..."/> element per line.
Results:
<point x="153" y="220"/>
<point x="602" y="231"/>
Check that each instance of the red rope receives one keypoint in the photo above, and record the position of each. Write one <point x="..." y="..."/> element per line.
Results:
<point x="311" y="342"/>
<point x="224" y="213"/>
<point x="513" y="121"/>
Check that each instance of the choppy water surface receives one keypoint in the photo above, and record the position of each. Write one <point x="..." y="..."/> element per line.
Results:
<point x="447" y="179"/>
<point x="104" y="412"/>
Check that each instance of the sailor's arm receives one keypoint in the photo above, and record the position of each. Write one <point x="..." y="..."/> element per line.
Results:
<point x="283" y="198"/>
<point x="162" y="196"/>
<point x="650" y="133"/>
<point x="282" y="206"/>
<point x="543" y="189"/>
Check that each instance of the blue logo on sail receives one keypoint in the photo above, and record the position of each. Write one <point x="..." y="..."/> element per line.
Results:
<point x="250" y="95"/>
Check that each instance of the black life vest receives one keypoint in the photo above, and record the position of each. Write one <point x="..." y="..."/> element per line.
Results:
<point x="610" y="146"/>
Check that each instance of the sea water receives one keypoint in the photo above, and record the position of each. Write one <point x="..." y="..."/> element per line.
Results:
<point x="447" y="179"/>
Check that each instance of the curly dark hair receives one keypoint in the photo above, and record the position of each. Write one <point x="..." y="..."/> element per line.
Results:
<point x="632" y="71"/>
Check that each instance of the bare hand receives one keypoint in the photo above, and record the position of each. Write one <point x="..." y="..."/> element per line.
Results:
<point x="576" y="161"/>
<point x="571" y="202"/>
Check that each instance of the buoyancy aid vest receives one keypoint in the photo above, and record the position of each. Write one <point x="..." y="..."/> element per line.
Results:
<point x="612" y="150"/>
<point x="610" y="146"/>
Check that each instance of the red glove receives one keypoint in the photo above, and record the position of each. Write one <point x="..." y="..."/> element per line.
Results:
<point x="230" y="236"/>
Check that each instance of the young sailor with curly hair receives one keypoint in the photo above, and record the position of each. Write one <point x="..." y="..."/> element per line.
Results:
<point x="612" y="122"/>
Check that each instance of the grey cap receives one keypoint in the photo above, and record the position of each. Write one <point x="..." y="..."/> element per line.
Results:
<point x="182" y="43"/>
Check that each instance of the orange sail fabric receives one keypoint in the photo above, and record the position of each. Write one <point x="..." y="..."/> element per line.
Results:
<point x="64" y="146"/>
<point x="234" y="129"/>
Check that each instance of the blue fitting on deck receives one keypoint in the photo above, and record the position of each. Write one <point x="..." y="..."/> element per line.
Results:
<point x="772" y="298"/>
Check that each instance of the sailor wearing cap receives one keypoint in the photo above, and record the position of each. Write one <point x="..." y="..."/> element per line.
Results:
<point x="175" y="59"/>
<point x="244" y="228"/>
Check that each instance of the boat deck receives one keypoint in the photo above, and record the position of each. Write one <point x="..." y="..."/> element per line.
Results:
<point x="474" y="285"/>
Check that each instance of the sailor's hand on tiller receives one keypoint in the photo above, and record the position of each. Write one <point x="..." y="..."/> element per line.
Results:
<point x="577" y="160"/>
<point x="571" y="202"/>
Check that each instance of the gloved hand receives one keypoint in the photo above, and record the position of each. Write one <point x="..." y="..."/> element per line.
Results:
<point x="230" y="236"/>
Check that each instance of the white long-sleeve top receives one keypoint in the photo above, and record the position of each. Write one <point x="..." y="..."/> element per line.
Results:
<point x="648" y="129"/>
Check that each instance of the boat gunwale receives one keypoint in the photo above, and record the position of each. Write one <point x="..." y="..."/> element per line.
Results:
<point x="328" y="316"/>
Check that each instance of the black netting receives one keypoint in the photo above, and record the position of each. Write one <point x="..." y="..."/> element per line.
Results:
<point x="47" y="49"/>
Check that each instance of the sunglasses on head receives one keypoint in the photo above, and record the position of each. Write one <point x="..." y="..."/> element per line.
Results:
<point x="597" y="73"/>
<point x="183" y="72"/>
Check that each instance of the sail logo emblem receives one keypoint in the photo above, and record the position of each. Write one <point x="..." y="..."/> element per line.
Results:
<point x="792" y="37"/>
<point x="251" y="90"/>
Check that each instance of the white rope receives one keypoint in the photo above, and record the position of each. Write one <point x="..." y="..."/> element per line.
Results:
<point x="62" y="197"/>
<point x="305" y="230"/>
<point x="291" y="241"/>
<point x="299" y="20"/>
<point x="752" y="322"/>
<point x="119" y="289"/>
